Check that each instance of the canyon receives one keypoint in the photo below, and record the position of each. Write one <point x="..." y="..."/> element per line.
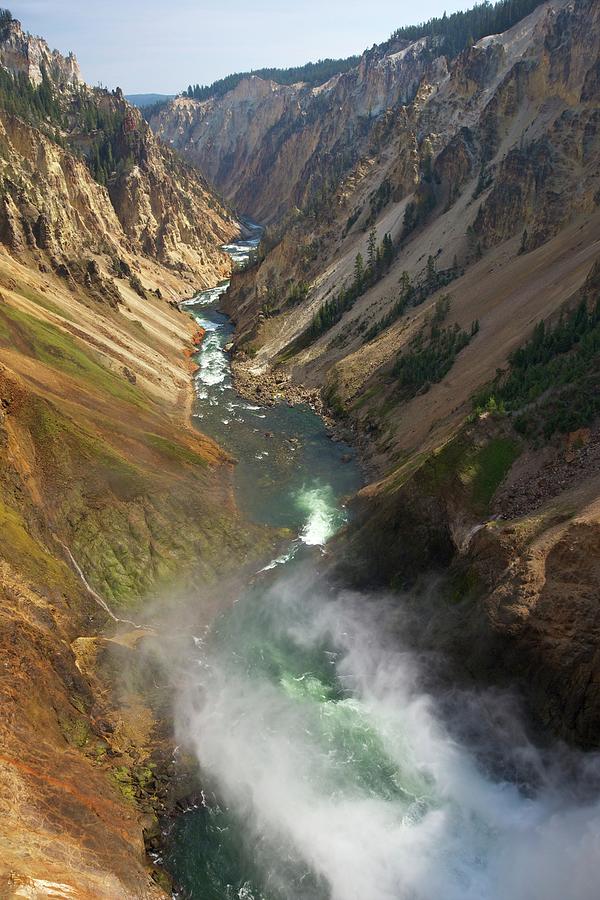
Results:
<point x="179" y="539"/>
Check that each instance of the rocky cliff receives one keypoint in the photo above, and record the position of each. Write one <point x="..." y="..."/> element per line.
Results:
<point x="155" y="207"/>
<point x="24" y="54"/>
<point x="82" y="173"/>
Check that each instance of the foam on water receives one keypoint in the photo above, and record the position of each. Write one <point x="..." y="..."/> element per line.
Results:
<point x="205" y="298"/>
<point x="212" y="361"/>
<point x="322" y="515"/>
<point x="342" y="780"/>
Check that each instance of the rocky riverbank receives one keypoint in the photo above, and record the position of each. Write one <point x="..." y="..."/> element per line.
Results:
<point x="269" y="388"/>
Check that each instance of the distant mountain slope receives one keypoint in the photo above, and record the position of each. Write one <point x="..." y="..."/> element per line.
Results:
<point x="273" y="141"/>
<point x="143" y="100"/>
<point x="270" y="147"/>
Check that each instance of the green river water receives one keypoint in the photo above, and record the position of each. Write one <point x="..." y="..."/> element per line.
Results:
<point x="328" y="772"/>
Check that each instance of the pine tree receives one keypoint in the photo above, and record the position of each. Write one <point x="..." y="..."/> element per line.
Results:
<point x="359" y="271"/>
<point x="405" y="285"/>
<point x="388" y="250"/>
<point x="524" y="238"/>
<point x="431" y="273"/>
<point x="371" y="246"/>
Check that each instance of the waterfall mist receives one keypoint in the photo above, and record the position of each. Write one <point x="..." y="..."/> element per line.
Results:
<point x="312" y="726"/>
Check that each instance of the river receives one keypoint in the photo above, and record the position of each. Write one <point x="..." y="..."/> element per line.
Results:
<point x="328" y="772"/>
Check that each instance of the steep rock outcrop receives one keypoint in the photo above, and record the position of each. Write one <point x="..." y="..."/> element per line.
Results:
<point x="48" y="191"/>
<point x="159" y="209"/>
<point x="22" y="53"/>
<point x="82" y="173"/>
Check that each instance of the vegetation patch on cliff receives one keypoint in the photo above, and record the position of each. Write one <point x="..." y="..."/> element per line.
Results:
<point x="25" y="553"/>
<point x="431" y="356"/>
<point x="176" y="452"/>
<point x="59" y="350"/>
<point x="553" y="382"/>
<point x="474" y="470"/>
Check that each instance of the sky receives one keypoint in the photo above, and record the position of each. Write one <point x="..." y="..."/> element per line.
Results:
<point x="161" y="46"/>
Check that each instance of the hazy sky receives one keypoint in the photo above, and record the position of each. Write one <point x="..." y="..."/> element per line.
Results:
<point x="164" y="45"/>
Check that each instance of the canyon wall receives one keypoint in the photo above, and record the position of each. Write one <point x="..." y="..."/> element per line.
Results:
<point x="269" y="148"/>
<point x="107" y="495"/>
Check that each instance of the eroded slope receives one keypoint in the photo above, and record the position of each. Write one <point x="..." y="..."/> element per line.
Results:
<point x="109" y="500"/>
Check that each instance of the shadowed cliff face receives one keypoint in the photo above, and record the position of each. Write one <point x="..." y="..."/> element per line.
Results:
<point x="513" y="534"/>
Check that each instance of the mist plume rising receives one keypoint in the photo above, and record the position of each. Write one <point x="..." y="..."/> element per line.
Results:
<point x="347" y="781"/>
